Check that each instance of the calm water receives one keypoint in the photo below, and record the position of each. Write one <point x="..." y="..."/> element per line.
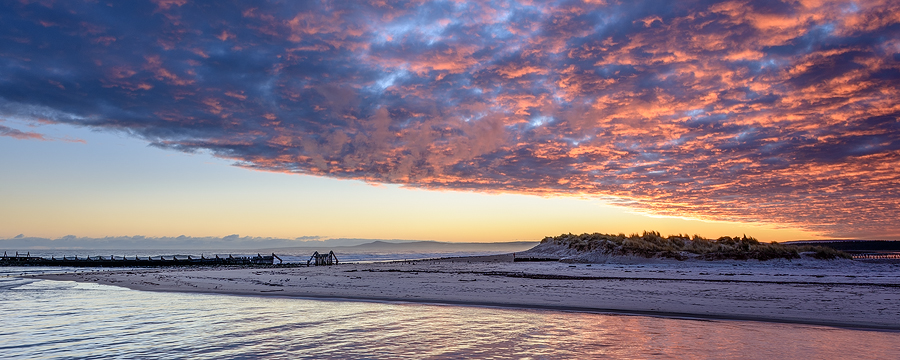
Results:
<point x="288" y="256"/>
<point x="54" y="319"/>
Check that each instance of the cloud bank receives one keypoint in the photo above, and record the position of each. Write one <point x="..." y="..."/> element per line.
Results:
<point x="230" y="242"/>
<point x="771" y="111"/>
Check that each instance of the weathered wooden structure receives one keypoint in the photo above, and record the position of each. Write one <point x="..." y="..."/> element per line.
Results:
<point x="150" y="261"/>
<point x="322" y="259"/>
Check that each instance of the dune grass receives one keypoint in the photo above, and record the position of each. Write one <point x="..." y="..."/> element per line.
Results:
<point x="681" y="247"/>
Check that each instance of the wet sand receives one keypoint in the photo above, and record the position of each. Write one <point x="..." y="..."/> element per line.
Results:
<point x="834" y="293"/>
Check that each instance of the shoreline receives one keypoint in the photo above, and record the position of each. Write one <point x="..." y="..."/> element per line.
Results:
<point x="843" y="297"/>
<point x="587" y="310"/>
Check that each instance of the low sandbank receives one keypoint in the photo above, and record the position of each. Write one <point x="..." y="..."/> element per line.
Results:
<point x="841" y="293"/>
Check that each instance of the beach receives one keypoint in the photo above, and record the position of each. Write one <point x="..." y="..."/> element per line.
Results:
<point x="840" y="293"/>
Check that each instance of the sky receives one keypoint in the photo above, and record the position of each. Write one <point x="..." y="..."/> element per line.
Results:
<point x="452" y="121"/>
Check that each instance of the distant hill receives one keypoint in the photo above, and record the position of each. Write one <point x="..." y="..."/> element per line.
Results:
<point x="425" y="246"/>
<point x="235" y="242"/>
<point x="851" y="245"/>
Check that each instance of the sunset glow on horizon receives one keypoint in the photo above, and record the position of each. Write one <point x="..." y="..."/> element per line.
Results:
<point x="450" y="120"/>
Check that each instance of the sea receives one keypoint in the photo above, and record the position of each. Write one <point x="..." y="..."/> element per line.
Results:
<point x="45" y="319"/>
<point x="287" y="256"/>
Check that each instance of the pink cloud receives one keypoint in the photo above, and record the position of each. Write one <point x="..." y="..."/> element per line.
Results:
<point x="773" y="112"/>
<point x="21" y="135"/>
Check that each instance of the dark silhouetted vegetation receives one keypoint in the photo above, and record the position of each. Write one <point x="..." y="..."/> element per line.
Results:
<point x="682" y="247"/>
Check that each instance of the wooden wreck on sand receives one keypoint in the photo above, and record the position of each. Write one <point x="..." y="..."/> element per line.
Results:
<point x="322" y="259"/>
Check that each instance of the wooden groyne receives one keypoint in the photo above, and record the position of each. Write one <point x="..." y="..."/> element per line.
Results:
<point x="150" y="261"/>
